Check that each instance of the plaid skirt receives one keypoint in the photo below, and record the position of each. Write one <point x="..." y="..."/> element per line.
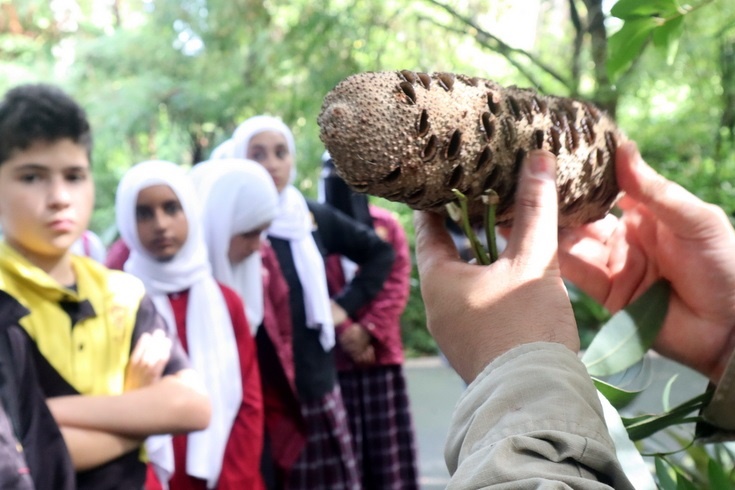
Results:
<point x="327" y="462"/>
<point x="379" y="414"/>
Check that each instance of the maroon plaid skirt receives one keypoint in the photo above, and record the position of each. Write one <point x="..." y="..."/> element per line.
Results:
<point x="327" y="462"/>
<point x="379" y="414"/>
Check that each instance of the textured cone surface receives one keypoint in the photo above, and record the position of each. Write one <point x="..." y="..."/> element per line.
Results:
<point x="413" y="137"/>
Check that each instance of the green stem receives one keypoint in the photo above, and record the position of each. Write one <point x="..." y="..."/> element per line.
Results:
<point x="477" y="249"/>
<point x="491" y="200"/>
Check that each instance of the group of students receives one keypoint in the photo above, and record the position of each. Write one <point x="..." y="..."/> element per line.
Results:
<point x="213" y="358"/>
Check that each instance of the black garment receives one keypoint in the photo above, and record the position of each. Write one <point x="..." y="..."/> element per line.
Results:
<point x="126" y="471"/>
<point x="24" y="413"/>
<point x="335" y="233"/>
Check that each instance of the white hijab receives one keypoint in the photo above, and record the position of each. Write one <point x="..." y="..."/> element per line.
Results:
<point x="238" y="196"/>
<point x="223" y="150"/>
<point x="211" y="339"/>
<point x="295" y="224"/>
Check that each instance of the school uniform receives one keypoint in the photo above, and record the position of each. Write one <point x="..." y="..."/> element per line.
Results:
<point x="82" y="339"/>
<point x="210" y="320"/>
<point x="33" y="454"/>
<point x="376" y="396"/>
<point x="238" y="196"/>
<point x="316" y="376"/>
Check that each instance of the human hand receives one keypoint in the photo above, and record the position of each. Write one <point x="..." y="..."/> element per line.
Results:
<point x="366" y="357"/>
<point x="664" y="232"/>
<point x="477" y="313"/>
<point x="354" y="340"/>
<point x="148" y="360"/>
<point x="339" y="315"/>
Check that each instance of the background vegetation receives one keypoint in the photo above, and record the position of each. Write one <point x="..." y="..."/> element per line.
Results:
<point x="171" y="79"/>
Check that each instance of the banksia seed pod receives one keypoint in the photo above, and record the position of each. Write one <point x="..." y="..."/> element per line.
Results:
<point x="413" y="137"/>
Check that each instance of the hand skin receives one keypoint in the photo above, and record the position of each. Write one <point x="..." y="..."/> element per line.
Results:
<point x="477" y="313"/>
<point x="175" y="404"/>
<point x="339" y="315"/>
<point x="664" y="232"/>
<point x="354" y="339"/>
<point x="148" y="360"/>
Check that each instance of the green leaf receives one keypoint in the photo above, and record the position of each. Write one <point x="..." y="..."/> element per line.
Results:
<point x="626" y="337"/>
<point x="684" y="483"/>
<point x="631" y="9"/>
<point x="667" y="37"/>
<point x="665" y="481"/>
<point x="618" y="397"/>
<point x="666" y="395"/>
<point x="626" y="45"/>
<point x="717" y="475"/>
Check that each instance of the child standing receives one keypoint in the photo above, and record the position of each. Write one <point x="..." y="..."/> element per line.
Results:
<point x="370" y="351"/>
<point x="158" y="216"/>
<point x="240" y="201"/>
<point x="302" y="234"/>
<point x="84" y="319"/>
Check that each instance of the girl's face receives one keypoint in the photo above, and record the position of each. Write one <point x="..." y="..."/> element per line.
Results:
<point x="244" y="245"/>
<point x="270" y="149"/>
<point x="161" y="222"/>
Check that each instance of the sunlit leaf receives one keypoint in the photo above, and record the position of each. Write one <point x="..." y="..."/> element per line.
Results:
<point x="626" y="337"/>
<point x="631" y="9"/>
<point x="625" y="45"/>
<point x="667" y="37"/>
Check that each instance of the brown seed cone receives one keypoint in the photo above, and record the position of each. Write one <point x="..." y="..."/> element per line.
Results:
<point x="413" y="137"/>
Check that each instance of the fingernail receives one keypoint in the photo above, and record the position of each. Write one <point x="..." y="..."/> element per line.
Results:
<point x="542" y="164"/>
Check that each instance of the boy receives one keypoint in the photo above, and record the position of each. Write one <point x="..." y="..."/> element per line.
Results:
<point x="85" y="319"/>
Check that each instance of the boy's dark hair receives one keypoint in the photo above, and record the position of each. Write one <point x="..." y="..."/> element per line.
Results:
<point x="40" y="112"/>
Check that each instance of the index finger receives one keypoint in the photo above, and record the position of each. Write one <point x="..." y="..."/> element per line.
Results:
<point x="433" y="243"/>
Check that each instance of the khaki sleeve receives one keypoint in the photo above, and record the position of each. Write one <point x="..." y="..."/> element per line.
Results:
<point x="532" y="416"/>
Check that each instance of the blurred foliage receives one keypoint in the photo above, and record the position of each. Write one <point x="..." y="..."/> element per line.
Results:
<point x="171" y="79"/>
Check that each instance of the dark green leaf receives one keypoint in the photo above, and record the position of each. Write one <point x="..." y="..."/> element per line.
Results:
<point x="629" y="334"/>
<point x="684" y="483"/>
<point x="626" y="44"/>
<point x="631" y="9"/>
<point x="618" y="398"/>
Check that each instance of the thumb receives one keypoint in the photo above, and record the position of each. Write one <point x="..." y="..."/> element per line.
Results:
<point x="534" y="233"/>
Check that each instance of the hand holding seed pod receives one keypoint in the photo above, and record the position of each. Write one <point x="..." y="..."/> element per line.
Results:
<point x="416" y="137"/>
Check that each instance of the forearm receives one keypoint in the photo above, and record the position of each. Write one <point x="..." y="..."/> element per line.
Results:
<point x="173" y="405"/>
<point x="533" y="415"/>
<point x="91" y="448"/>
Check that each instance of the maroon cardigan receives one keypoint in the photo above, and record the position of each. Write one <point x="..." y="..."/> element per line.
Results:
<point x="382" y="316"/>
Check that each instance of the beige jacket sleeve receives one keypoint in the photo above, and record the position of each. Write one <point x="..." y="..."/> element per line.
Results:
<point x="532" y="418"/>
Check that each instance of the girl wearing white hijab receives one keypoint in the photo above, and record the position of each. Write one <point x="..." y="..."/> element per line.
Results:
<point x="159" y="218"/>
<point x="239" y="202"/>
<point x="301" y="235"/>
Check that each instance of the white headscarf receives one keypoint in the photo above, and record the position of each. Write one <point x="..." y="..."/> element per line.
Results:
<point x="295" y="224"/>
<point x="238" y="196"/>
<point x="211" y="339"/>
<point x="223" y="150"/>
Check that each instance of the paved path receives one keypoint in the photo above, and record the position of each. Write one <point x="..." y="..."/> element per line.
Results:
<point x="434" y="390"/>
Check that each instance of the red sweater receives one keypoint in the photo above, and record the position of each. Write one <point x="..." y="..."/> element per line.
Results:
<point x="382" y="316"/>
<point x="241" y="465"/>
<point x="283" y="419"/>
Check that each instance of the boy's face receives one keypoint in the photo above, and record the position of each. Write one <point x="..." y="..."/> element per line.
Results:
<point x="46" y="198"/>
<point x="161" y="222"/>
